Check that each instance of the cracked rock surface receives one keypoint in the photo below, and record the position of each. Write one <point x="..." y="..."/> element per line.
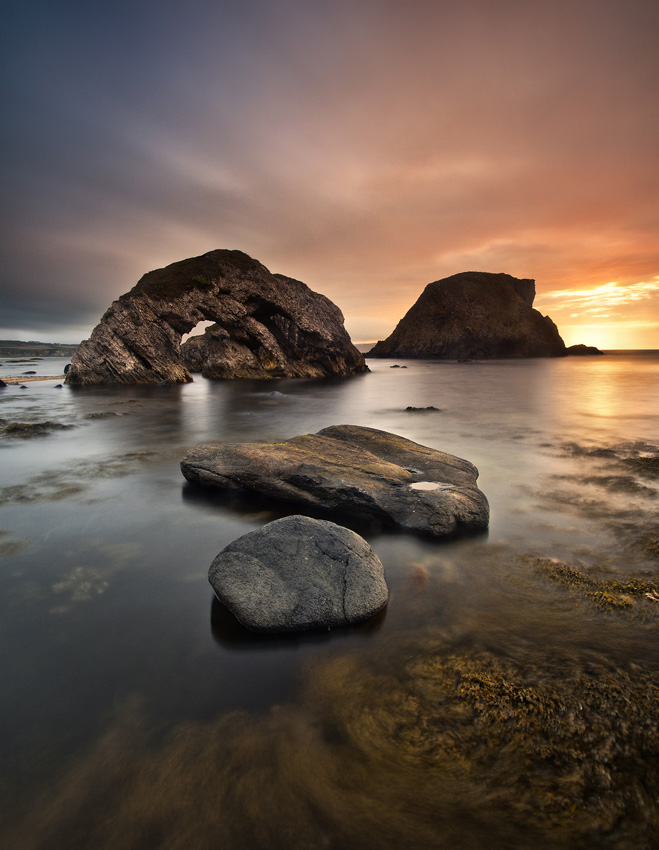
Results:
<point x="351" y="469"/>
<point x="299" y="573"/>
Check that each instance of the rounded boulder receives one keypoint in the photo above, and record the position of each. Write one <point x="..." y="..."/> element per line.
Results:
<point x="299" y="573"/>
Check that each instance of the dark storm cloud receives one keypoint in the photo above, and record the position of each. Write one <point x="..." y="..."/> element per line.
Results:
<point x="366" y="148"/>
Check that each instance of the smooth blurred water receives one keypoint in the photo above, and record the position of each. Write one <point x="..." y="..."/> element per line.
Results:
<point x="105" y="548"/>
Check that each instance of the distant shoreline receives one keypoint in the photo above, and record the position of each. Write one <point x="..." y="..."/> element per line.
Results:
<point x="365" y="347"/>
<point x="11" y="348"/>
<point x="17" y="380"/>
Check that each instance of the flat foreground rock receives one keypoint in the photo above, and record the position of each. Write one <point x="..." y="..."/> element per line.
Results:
<point x="299" y="573"/>
<point x="350" y="469"/>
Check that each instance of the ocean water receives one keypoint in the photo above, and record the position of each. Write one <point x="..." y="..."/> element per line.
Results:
<point x="136" y="713"/>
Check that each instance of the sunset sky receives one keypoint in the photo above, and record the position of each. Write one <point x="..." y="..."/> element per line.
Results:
<point x="364" y="147"/>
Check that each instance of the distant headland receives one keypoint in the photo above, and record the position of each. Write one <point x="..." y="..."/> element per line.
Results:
<point x="18" y="348"/>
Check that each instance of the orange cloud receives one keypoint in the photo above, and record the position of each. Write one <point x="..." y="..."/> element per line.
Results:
<point x="611" y="315"/>
<point x="597" y="301"/>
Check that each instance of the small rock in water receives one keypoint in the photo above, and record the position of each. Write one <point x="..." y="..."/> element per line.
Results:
<point x="30" y="429"/>
<point x="299" y="573"/>
<point x="102" y="414"/>
<point x="429" y="409"/>
<point x="583" y="350"/>
<point x="29" y="373"/>
<point x="2" y="383"/>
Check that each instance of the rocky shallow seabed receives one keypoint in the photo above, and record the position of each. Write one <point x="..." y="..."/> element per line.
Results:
<point x="507" y="698"/>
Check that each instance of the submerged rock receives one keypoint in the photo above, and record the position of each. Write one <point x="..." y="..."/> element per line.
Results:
<point x="299" y="573"/>
<point x="30" y="429"/>
<point x="351" y="469"/>
<point x="474" y="315"/>
<point x="267" y="325"/>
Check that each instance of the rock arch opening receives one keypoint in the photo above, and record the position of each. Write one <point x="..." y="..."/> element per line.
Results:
<point x="198" y="330"/>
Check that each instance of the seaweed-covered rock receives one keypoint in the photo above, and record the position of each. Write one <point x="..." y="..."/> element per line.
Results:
<point x="30" y="429"/>
<point x="299" y="573"/>
<point x="266" y="325"/>
<point x="474" y="315"/>
<point x="350" y="469"/>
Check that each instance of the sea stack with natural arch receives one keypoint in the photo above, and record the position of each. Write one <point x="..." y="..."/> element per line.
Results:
<point x="474" y="316"/>
<point x="266" y="325"/>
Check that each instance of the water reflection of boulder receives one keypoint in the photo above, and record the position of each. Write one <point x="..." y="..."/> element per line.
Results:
<point x="232" y="635"/>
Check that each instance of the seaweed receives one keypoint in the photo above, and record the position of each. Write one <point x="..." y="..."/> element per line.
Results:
<point x="645" y="464"/>
<point x="30" y="429"/>
<point x="611" y="594"/>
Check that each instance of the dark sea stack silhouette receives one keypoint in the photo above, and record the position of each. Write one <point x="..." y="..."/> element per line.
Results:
<point x="266" y="325"/>
<point x="582" y="350"/>
<point x="474" y="316"/>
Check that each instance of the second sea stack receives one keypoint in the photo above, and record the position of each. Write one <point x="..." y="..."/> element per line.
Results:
<point x="474" y="316"/>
